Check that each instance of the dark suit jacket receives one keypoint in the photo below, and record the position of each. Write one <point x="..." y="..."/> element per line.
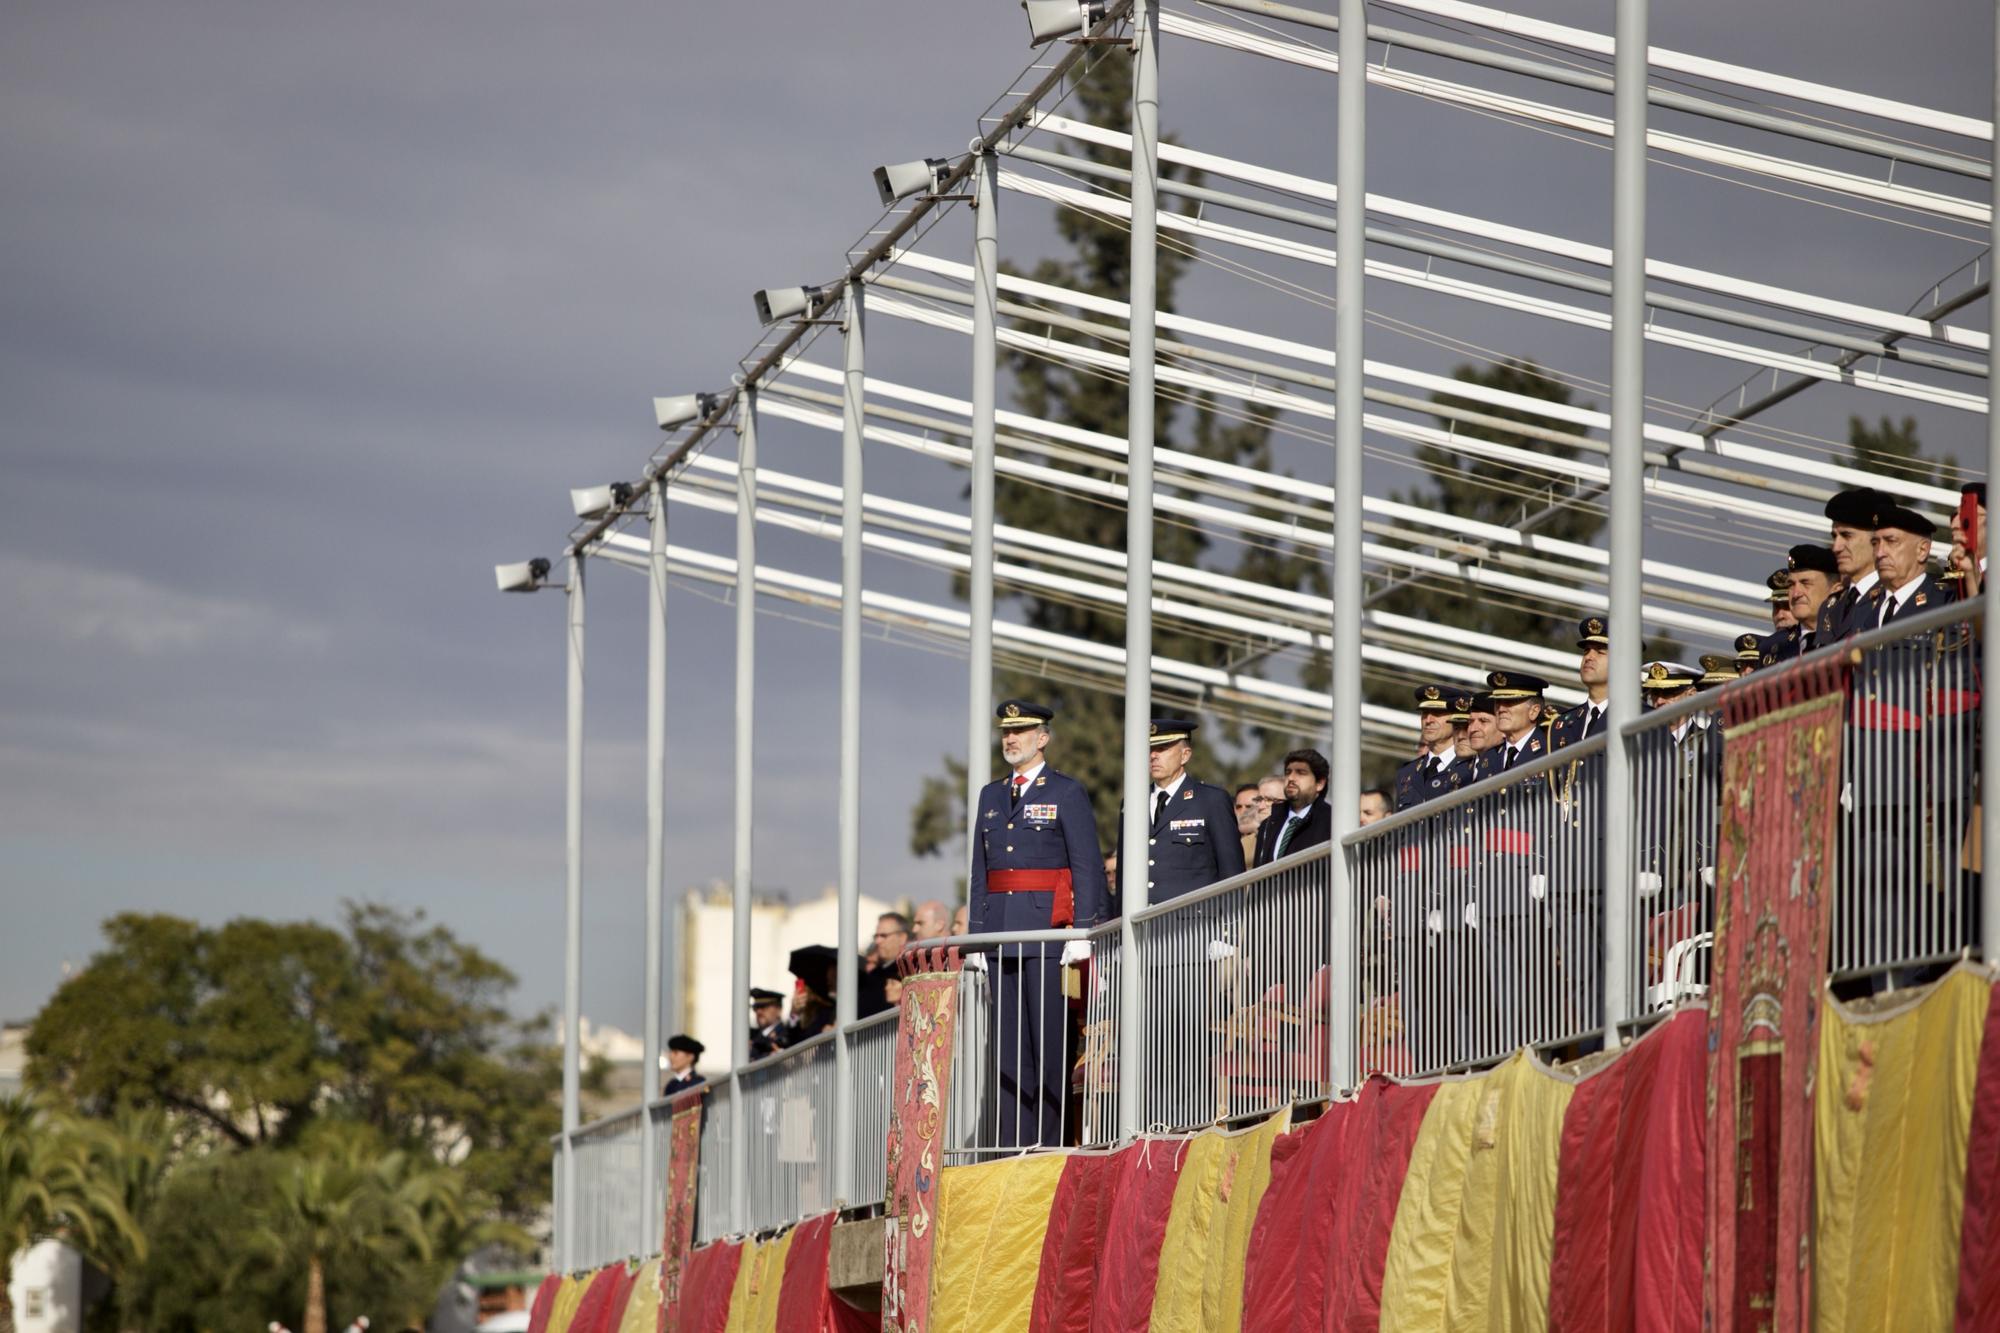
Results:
<point x="1318" y="828"/>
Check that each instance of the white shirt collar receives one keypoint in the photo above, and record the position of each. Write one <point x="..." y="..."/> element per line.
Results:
<point x="1901" y="596"/>
<point x="1173" y="786"/>
<point x="1032" y="773"/>
<point x="1866" y="582"/>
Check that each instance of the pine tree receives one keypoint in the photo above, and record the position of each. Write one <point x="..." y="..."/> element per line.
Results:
<point x="1089" y="720"/>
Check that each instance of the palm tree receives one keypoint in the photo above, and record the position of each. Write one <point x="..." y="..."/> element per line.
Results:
<point x="340" y="1205"/>
<point x="53" y="1183"/>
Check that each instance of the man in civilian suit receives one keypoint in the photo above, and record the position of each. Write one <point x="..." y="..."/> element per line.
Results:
<point x="1036" y="865"/>
<point x="1307" y="819"/>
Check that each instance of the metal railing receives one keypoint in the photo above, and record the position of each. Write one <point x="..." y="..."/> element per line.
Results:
<point x="1480" y="923"/>
<point x="1235" y="985"/>
<point x="1479" y="919"/>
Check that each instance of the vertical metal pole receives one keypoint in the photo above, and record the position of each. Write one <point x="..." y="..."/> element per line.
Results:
<point x="1350" y="224"/>
<point x="656" y="868"/>
<point x="851" y="398"/>
<point x="746" y="737"/>
<point x="573" y="913"/>
<point x="1627" y="498"/>
<point x="1135" y="824"/>
<point x="985" y="295"/>
<point x="1989" y="716"/>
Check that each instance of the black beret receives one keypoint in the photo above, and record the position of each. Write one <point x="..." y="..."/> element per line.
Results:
<point x="1818" y="559"/>
<point x="1904" y="520"/>
<point x="682" y="1042"/>
<point x="1856" y="508"/>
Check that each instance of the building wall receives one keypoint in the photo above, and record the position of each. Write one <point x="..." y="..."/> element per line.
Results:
<point x="776" y="928"/>
<point x="46" y="1287"/>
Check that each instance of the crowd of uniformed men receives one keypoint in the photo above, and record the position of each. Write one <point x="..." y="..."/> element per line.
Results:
<point x="1037" y="863"/>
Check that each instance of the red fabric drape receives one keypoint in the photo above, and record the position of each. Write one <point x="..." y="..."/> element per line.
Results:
<point x="804" y="1303"/>
<point x="1129" y="1267"/>
<point x="1321" y="1237"/>
<point x="1377" y="1159"/>
<point x="590" y="1311"/>
<point x="544" y="1304"/>
<point x="1979" y="1231"/>
<point x="1079" y="1215"/>
<point x="1629" y="1190"/>
<point x="706" y="1285"/>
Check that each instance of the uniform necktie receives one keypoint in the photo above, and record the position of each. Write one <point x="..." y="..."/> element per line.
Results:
<point x="1020" y="782"/>
<point x="1512" y="755"/>
<point x="1428" y="768"/>
<point x="1890" y="606"/>
<point x="1159" y="804"/>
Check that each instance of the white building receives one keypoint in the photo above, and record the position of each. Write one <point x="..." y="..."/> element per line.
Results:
<point x="47" y="1289"/>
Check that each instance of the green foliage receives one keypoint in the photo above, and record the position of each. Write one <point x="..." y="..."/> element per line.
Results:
<point x="1090" y="720"/>
<point x="251" y="1033"/>
<point x="53" y="1185"/>
<point x="1892" y="448"/>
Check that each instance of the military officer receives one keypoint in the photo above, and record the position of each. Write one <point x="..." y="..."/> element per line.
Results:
<point x="1594" y="671"/>
<point x="1902" y="545"/>
<point x="1851" y="519"/>
<point x="1036" y="865"/>
<point x="1437" y="770"/>
<point x="1461" y="726"/>
<point x="682" y="1052"/>
<point x="1814" y="573"/>
<point x="1192" y="842"/>
<point x="767" y="1022"/>
<point x="1749" y="651"/>
<point x="1517" y="711"/>
<point x="1780" y="584"/>
<point x="1721" y="668"/>
<point x="1679" y="790"/>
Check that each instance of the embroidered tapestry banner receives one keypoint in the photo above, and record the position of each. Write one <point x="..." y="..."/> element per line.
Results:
<point x="925" y="1032"/>
<point x="1774" y="882"/>
<point x="683" y="1167"/>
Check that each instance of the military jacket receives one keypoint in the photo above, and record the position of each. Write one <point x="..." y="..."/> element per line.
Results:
<point x="1414" y="788"/>
<point x="1051" y="827"/>
<point x="1191" y="845"/>
<point x="1573" y="725"/>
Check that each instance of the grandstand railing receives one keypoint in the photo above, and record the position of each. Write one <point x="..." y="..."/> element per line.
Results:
<point x="1479" y="927"/>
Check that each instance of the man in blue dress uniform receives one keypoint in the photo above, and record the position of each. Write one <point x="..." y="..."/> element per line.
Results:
<point x="1593" y="668"/>
<point x="1814" y="574"/>
<point x="1851" y="519"/>
<point x="1036" y="865"/>
<point x="1436" y="771"/>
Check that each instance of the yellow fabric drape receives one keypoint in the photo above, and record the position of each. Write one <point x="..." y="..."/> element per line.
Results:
<point x="1892" y="1116"/>
<point x="1223" y="1178"/>
<point x="1474" y="1227"/>
<point x="642" y="1311"/>
<point x="991" y="1220"/>
<point x="743" y="1292"/>
<point x="753" y="1304"/>
<point x="568" y="1296"/>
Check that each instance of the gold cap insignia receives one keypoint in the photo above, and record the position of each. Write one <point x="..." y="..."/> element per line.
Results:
<point x="1013" y="710"/>
<point x="1657" y="671"/>
<point x="1593" y="627"/>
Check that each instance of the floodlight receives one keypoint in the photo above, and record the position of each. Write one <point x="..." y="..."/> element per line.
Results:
<point x="525" y="576"/>
<point x="592" y="501"/>
<point x="683" y="408"/>
<point x="1050" y="19"/>
<point x="907" y="178"/>
<point x="776" y="303"/>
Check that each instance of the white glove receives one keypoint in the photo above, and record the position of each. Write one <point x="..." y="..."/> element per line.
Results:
<point x="1076" y="951"/>
<point x="975" y="962"/>
<point x="1847" y="797"/>
<point x="1649" y="883"/>
<point x="1434" y="921"/>
<point x="1708" y="877"/>
<point x="1472" y="915"/>
<point x="1219" y="950"/>
<point x="1538" y="887"/>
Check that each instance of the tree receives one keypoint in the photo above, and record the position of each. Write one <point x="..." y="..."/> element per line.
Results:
<point x="1089" y="719"/>
<point x="1892" y="448"/>
<point x="253" y="1033"/>
<point x="51" y="1187"/>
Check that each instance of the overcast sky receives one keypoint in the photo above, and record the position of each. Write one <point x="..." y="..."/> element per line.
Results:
<point x="314" y="312"/>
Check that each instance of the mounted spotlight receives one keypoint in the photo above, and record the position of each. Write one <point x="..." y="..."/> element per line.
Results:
<point x="777" y="303"/>
<point x="1050" y="19"/>
<point x="907" y="178"/>
<point x="677" y="411"/>
<point x="595" y="501"/>
<point x="525" y="576"/>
